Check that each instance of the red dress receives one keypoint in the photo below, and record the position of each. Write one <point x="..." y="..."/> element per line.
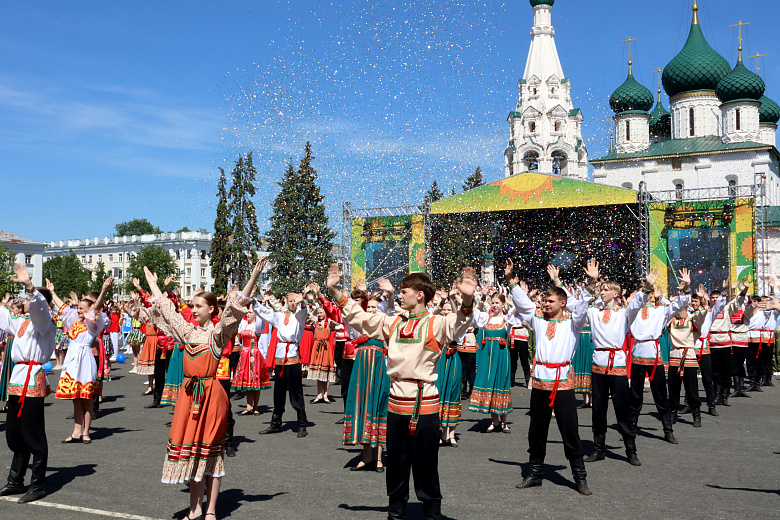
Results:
<point x="251" y="372"/>
<point x="304" y="348"/>
<point x="322" y="367"/>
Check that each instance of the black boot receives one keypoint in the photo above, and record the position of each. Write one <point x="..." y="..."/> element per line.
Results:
<point x="397" y="510"/>
<point x="580" y="476"/>
<point x="631" y="452"/>
<point x="712" y="411"/>
<point x="599" y="447"/>
<point x="767" y="381"/>
<point x="755" y="385"/>
<point x="666" y="420"/>
<point x="718" y="394"/>
<point x="15" y="484"/>
<point x="36" y="491"/>
<point x="739" y="390"/>
<point x="685" y="410"/>
<point x="534" y="478"/>
<point x="697" y="417"/>
<point x="432" y="509"/>
<point x="276" y="424"/>
<point x="302" y="422"/>
<point x="674" y="417"/>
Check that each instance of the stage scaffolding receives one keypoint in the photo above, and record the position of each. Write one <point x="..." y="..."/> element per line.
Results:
<point x="756" y="191"/>
<point x="349" y="214"/>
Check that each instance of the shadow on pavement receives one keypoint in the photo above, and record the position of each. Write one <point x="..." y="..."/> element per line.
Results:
<point x="229" y="501"/>
<point x="755" y="490"/>
<point x="59" y="477"/>
<point x="103" y="433"/>
<point x="415" y="510"/>
<point x="108" y="411"/>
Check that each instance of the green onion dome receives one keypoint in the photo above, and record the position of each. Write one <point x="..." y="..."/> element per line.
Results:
<point x="740" y="84"/>
<point x="769" y="112"/>
<point x="631" y="95"/>
<point x="696" y="67"/>
<point x="534" y="3"/>
<point x="660" y="120"/>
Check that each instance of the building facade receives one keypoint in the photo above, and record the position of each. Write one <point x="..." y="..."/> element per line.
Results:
<point x="545" y="130"/>
<point x="28" y="253"/>
<point x="190" y="249"/>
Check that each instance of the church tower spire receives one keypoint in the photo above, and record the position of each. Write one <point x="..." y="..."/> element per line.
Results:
<point x="545" y="129"/>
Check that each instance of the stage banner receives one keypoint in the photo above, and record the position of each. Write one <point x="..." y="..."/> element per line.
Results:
<point x="389" y="247"/>
<point x="695" y="235"/>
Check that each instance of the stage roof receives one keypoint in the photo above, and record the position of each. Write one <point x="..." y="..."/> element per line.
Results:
<point x="533" y="191"/>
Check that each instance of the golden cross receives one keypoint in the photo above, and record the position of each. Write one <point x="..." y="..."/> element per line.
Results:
<point x="740" y="24"/>
<point x="756" y="57"/>
<point x="659" y="72"/>
<point x="628" y="41"/>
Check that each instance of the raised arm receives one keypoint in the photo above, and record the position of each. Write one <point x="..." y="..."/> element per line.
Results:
<point x="524" y="307"/>
<point x="376" y="326"/>
<point x="685" y="297"/>
<point x="56" y="300"/>
<point x="103" y="290"/>
<point x="709" y="316"/>
<point x="39" y="307"/>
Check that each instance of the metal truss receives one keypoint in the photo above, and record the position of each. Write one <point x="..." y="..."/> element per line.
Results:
<point x="703" y="194"/>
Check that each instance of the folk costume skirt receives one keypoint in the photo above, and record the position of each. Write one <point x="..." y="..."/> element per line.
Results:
<point x="449" y="383"/>
<point x="582" y="363"/>
<point x="365" y="420"/>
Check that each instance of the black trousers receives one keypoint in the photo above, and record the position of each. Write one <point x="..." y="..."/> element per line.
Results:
<point x="231" y="422"/>
<point x="160" y="368"/>
<point x="690" y="380"/>
<point x="657" y="386"/>
<point x="738" y="357"/>
<point x="346" y="376"/>
<point x="338" y="357"/>
<point x="603" y="385"/>
<point x="753" y="361"/>
<point x="469" y="362"/>
<point x="705" y="366"/>
<point x="418" y="453"/>
<point x="722" y="368"/>
<point x="768" y="359"/>
<point x="25" y="436"/>
<point x="565" y="415"/>
<point x="288" y="380"/>
<point x="520" y="352"/>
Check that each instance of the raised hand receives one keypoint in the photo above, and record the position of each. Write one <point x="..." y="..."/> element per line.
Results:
<point x="773" y="303"/>
<point x="385" y="285"/>
<point x="592" y="269"/>
<point x="657" y="291"/>
<point x="168" y="279"/>
<point x="772" y="281"/>
<point x="315" y="288"/>
<point x="652" y="276"/>
<point x="701" y="292"/>
<point x="509" y="269"/>
<point x="49" y="285"/>
<point x="108" y="282"/>
<point x="467" y="283"/>
<point x="361" y="285"/>
<point x="137" y="283"/>
<point x="23" y="276"/>
<point x="685" y="279"/>
<point x="333" y="276"/>
<point x="524" y="287"/>
<point x="744" y="284"/>
<point x="725" y="285"/>
<point x="150" y="276"/>
<point x="553" y="272"/>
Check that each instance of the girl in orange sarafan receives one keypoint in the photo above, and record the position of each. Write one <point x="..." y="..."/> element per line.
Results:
<point x="196" y="443"/>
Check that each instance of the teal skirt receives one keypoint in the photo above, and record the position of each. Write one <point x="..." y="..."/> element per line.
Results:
<point x="492" y="392"/>
<point x="582" y="363"/>
<point x="665" y="346"/>
<point x="174" y="377"/>
<point x="365" y="418"/>
<point x="8" y="366"/>
<point x="450" y="372"/>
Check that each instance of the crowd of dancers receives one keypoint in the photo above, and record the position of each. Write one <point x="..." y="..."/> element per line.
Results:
<point x="406" y="360"/>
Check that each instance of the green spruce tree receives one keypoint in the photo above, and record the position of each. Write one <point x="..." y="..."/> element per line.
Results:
<point x="246" y="235"/>
<point x="434" y="194"/>
<point x="474" y="180"/>
<point x="300" y="241"/>
<point x="220" y="243"/>
<point x="100" y="274"/>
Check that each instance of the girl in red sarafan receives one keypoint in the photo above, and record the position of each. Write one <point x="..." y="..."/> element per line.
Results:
<point x="251" y="373"/>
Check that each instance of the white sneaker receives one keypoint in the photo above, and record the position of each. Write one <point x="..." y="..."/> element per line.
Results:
<point x="146" y="382"/>
<point x="112" y="359"/>
<point x="133" y="371"/>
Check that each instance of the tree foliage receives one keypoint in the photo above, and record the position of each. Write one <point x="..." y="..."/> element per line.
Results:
<point x="137" y="226"/>
<point x="100" y="274"/>
<point x="245" y="240"/>
<point x="183" y="230"/>
<point x="158" y="260"/>
<point x="67" y="274"/>
<point x="220" y="243"/>
<point x="434" y="194"/>
<point x="7" y="259"/>
<point x="474" y="180"/>
<point x="300" y="240"/>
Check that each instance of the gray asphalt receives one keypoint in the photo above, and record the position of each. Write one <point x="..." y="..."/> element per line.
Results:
<point x="726" y="469"/>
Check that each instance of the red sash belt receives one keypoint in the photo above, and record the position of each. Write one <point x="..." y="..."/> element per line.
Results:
<point x="286" y="350"/>
<point x="761" y="341"/>
<point x="611" y="361"/>
<point x="657" y="355"/>
<point x="557" y="367"/>
<point x="196" y="387"/>
<point x="30" y="365"/>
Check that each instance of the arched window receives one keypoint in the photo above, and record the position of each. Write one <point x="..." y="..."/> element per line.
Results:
<point x="678" y="190"/>
<point x="531" y="160"/>
<point x="691" y="122"/>
<point x="732" y="189"/>
<point x="738" y="119"/>
<point x="557" y="126"/>
<point x="628" y="130"/>
<point x="559" y="163"/>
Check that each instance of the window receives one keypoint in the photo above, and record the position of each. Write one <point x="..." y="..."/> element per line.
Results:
<point x="83" y="259"/>
<point x="118" y="274"/>
<point x="203" y="272"/>
<point x="691" y="122"/>
<point x="189" y="254"/>
<point x="732" y="189"/>
<point x="678" y="191"/>
<point x="628" y="130"/>
<point x="534" y="91"/>
<point x="100" y="258"/>
<point x="559" y="163"/>
<point x="27" y="259"/>
<point x="89" y="259"/>
<point x="202" y="254"/>
<point x="677" y="164"/>
<point x="119" y="257"/>
<point x="557" y="126"/>
<point x="738" y="119"/>
<point x="627" y="185"/>
<point x="188" y="290"/>
<point x="110" y="257"/>
<point x="531" y="160"/>
<point x="189" y="272"/>
<point x="178" y="254"/>
<point x="552" y="90"/>
<point x="531" y="126"/>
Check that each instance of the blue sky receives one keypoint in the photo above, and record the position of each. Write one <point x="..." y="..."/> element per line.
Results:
<point x="119" y="110"/>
